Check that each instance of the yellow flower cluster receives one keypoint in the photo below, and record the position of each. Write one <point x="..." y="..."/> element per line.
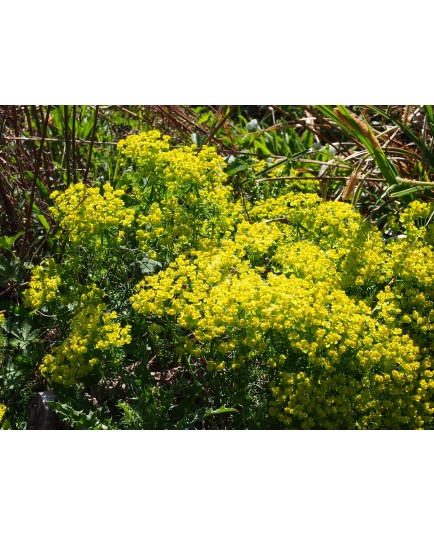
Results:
<point x="391" y="400"/>
<point x="259" y="239"/>
<point x="412" y="262"/>
<point x="3" y="409"/>
<point x="332" y="226"/>
<point x="187" y="165"/>
<point x="83" y="212"/>
<point x="342" y="361"/>
<point x="295" y="207"/>
<point x="92" y="331"/>
<point x="355" y="248"/>
<point x="188" y="204"/>
<point x="144" y="148"/>
<point x="408" y="302"/>
<point x="415" y="220"/>
<point x="43" y="286"/>
<point x="306" y="261"/>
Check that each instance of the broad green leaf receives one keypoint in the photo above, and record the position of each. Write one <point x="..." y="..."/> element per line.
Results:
<point x="41" y="217"/>
<point x="7" y="242"/>
<point x="262" y="147"/>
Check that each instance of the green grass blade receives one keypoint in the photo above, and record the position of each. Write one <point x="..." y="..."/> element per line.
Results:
<point x="361" y="131"/>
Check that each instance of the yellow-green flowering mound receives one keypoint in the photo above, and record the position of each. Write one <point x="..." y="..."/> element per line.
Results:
<point x="83" y="213"/>
<point x="309" y="289"/>
<point x="44" y="285"/>
<point x="185" y="200"/>
<point x="93" y="331"/>
<point x="338" y="320"/>
<point x="357" y="371"/>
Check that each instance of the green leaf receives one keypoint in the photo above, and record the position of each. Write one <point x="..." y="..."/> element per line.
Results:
<point x="262" y="147"/>
<point x="220" y="410"/>
<point x="6" y="242"/>
<point x="41" y="218"/>
<point x="364" y="137"/>
<point x="407" y="191"/>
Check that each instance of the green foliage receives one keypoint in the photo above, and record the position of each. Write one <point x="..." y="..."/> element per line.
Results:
<point x="7" y="242"/>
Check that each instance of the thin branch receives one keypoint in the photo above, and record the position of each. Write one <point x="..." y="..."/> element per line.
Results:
<point x="91" y="145"/>
<point x="295" y="178"/>
<point x="415" y="183"/>
<point x="210" y="136"/>
<point x="58" y="140"/>
<point x="67" y="148"/>
<point x="74" y="165"/>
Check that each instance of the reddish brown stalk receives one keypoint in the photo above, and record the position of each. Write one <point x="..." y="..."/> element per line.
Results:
<point x="21" y="158"/>
<point x="47" y="161"/>
<point x="74" y="164"/>
<point x="29" y="123"/>
<point x="175" y="124"/>
<point x="32" y="193"/>
<point x="218" y="126"/>
<point x="91" y="145"/>
<point x="57" y="140"/>
<point x="67" y="147"/>
<point x="189" y="121"/>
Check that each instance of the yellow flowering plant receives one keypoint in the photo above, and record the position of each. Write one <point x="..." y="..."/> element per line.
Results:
<point x="44" y="284"/>
<point x="302" y="287"/>
<point x="93" y="225"/>
<point x="281" y="310"/>
<point x="93" y="332"/>
<point x="83" y="213"/>
<point x="182" y="193"/>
